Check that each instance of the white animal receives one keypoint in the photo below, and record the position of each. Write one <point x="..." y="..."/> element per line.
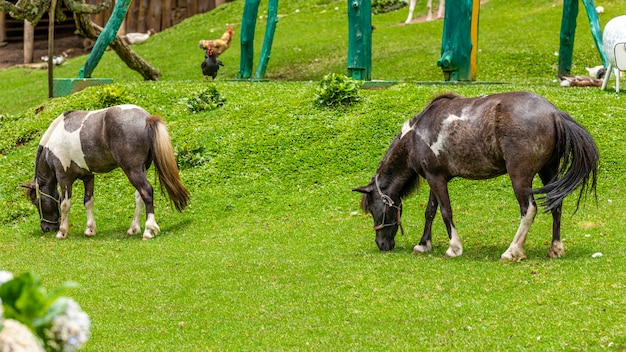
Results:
<point x="429" y="6"/>
<point x="596" y="71"/>
<point x="56" y="59"/>
<point x="137" y="38"/>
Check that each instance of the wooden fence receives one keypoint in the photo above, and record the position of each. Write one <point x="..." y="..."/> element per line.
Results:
<point x="142" y="16"/>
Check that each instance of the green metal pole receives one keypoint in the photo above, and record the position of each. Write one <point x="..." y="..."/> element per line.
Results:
<point x="596" y="32"/>
<point x="272" y="19"/>
<point x="568" y="30"/>
<point x="360" y="39"/>
<point x="248" y="25"/>
<point x="104" y="39"/>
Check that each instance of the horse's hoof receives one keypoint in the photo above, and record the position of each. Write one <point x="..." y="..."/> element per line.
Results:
<point x="453" y="253"/>
<point x="423" y="248"/>
<point x="133" y="231"/>
<point x="60" y="235"/>
<point x="147" y="235"/>
<point x="509" y="258"/>
<point x="90" y="233"/>
<point x="556" y="251"/>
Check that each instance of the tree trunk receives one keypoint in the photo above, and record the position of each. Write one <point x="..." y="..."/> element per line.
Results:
<point x="130" y="58"/>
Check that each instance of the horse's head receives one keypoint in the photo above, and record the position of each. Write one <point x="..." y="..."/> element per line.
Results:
<point x="47" y="203"/>
<point x="386" y="212"/>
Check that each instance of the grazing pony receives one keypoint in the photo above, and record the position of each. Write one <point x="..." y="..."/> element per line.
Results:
<point x="80" y="143"/>
<point x="518" y="133"/>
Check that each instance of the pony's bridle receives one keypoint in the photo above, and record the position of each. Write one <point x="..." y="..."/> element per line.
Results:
<point x="39" y="194"/>
<point x="389" y="203"/>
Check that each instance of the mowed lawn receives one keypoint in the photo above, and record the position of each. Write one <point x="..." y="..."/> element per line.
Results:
<point x="274" y="253"/>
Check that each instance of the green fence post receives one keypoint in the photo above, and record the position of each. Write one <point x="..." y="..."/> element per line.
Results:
<point x="596" y="32"/>
<point x="104" y="39"/>
<point x="456" y="44"/>
<point x="568" y="30"/>
<point x="248" y="25"/>
<point x="360" y="39"/>
<point x="272" y="19"/>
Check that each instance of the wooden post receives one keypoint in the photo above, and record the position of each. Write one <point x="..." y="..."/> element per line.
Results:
<point x="272" y="19"/>
<point x="29" y="42"/>
<point x="456" y="44"/>
<point x="51" y="13"/>
<point x="360" y="39"/>
<point x="568" y="30"/>
<point x="3" y="32"/>
<point x="596" y="32"/>
<point x="248" y="24"/>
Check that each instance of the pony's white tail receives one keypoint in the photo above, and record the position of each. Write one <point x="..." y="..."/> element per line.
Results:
<point x="165" y="163"/>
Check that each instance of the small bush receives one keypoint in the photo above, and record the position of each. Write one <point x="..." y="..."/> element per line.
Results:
<point x="384" y="6"/>
<point x="337" y="89"/>
<point x="190" y="156"/>
<point x="111" y="95"/>
<point x="208" y="99"/>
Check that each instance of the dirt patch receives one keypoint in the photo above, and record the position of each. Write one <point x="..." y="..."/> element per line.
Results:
<point x="12" y="53"/>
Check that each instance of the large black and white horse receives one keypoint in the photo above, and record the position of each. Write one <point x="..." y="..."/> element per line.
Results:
<point x="80" y="143"/>
<point x="518" y="133"/>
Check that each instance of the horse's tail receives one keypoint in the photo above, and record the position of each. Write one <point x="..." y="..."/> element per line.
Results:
<point x="165" y="163"/>
<point x="578" y="158"/>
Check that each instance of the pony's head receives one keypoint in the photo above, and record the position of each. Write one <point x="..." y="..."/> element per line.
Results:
<point x="47" y="203"/>
<point x="386" y="211"/>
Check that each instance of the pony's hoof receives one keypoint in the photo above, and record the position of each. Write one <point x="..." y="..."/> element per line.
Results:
<point x="147" y="235"/>
<point x="61" y="235"/>
<point x="556" y="251"/>
<point x="423" y="248"/>
<point x="454" y="252"/>
<point x="508" y="257"/>
<point x="133" y="231"/>
<point x="90" y="233"/>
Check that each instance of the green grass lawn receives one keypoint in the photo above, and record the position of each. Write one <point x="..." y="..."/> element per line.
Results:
<point x="274" y="253"/>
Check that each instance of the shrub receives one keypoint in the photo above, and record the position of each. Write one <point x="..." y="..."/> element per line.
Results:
<point x="111" y="95"/>
<point x="337" y="89"/>
<point x="207" y="99"/>
<point x="384" y="6"/>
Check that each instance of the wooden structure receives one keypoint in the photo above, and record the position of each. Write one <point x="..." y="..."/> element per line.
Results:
<point x="142" y="16"/>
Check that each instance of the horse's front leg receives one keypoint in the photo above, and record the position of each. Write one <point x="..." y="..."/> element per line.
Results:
<point x="425" y="244"/>
<point x="64" y="225"/>
<point x="440" y="188"/>
<point x="88" y="182"/>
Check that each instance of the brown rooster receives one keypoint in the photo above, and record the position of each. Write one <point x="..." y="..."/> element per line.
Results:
<point x="218" y="45"/>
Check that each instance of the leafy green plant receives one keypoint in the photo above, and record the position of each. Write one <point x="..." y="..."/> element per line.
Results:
<point x="55" y="320"/>
<point x="110" y="95"/>
<point x="337" y="89"/>
<point x="208" y="99"/>
<point x="384" y="6"/>
<point x="190" y="156"/>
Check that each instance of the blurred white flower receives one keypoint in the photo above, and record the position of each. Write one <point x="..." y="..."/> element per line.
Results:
<point x="5" y="276"/>
<point x="71" y="329"/>
<point x="16" y="337"/>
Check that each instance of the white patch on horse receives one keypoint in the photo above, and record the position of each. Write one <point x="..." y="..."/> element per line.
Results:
<point x="439" y="143"/>
<point x="64" y="145"/>
<point x="406" y="128"/>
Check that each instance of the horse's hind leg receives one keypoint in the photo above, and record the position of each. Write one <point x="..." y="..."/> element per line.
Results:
<point x="528" y="210"/>
<point x="146" y="194"/>
<point x="90" y="230"/>
<point x="135" y="228"/>
<point x="425" y="244"/>
<point x="556" y="249"/>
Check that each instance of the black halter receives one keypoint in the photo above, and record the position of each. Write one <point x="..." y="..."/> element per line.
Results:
<point x="388" y="203"/>
<point x="39" y="193"/>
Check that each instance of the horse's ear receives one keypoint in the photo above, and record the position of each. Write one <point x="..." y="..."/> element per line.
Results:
<point x="364" y="189"/>
<point x="28" y="185"/>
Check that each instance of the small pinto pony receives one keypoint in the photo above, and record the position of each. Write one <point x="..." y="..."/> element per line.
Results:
<point x="80" y="143"/>
<point x="518" y="133"/>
